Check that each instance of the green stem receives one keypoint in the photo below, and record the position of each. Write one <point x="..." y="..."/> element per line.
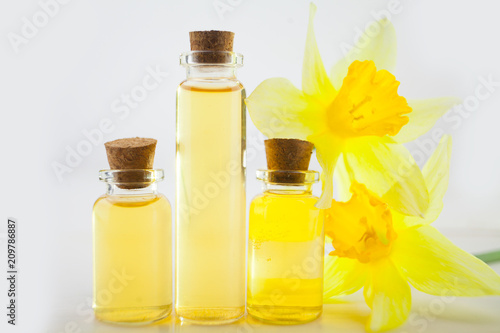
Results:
<point x="489" y="257"/>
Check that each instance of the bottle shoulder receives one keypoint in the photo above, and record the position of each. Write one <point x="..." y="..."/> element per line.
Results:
<point x="164" y="200"/>
<point x="130" y="201"/>
<point x="211" y="85"/>
<point x="286" y="195"/>
<point x="270" y="198"/>
<point x="99" y="201"/>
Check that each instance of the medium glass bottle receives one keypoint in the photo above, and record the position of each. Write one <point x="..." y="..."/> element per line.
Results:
<point x="132" y="228"/>
<point x="285" y="250"/>
<point x="210" y="187"/>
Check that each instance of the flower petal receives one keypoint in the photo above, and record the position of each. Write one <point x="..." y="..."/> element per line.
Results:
<point x="343" y="276"/>
<point x="436" y="173"/>
<point x="278" y="109"/>
<point x="380" y="47"/>
<point x="360" y="228"/>
<point x="388" y="295"/>
<point x="434" y="265"/>
<point x="423" y="117"/>
<point x="328" y="148"/>
<point x="342" y="181"/>
<point x="368" y="103"/>
<point x="315" y="81"/>
<point x="387" y="169"/>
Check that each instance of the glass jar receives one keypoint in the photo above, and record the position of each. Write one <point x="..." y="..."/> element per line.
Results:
<point x="132" y="227"/>
<point x="285" y="250"/>
<point x="210" y="189"/>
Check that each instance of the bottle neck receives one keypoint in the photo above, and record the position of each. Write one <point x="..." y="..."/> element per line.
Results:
<point x="118" y="189"/>
<point x="210" y="72"/>
<point x="292" y="182"/>
<point x="131" y="181"/>
<point x="211" y="65"/>
<point x="288" y="189"/>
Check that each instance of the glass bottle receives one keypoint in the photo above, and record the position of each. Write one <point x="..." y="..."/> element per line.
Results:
<point x="285" y="250"/>
<point x="132" y="226"/>
<point x="210" y="187"/>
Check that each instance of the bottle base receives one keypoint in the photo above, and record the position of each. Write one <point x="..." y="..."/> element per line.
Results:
<point x="285" y="315"/>
<point x="209" y="316"/>
<point x="132" y="316"/>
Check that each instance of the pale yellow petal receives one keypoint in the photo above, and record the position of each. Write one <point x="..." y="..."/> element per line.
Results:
<point x="434" y="265"/>
<point x="423" y="117"/>
<point x="315" y="81"/>
<point x="436" y="173"/>
<point x="328" y="148"/>
<point x="343" y="276"/>
<point x="387" y="169"/>
<point x="388" y="295"/>
<point x="279" y="110"/>
<point x="380" y="47"/>
<point x="342" y="180"/>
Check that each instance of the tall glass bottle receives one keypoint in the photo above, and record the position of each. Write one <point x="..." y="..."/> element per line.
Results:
<point x="210" y="187"/>
<point x="285" y="250"/>
<point x="132" y="226"/>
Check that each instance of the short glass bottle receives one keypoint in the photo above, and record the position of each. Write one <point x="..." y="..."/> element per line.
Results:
<point x="132" y="227"/>
<point x="285" y="250"/>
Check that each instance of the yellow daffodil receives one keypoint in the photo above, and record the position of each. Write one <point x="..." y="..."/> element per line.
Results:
<point x="356" y="117"/>
<point x="383" y="251"/>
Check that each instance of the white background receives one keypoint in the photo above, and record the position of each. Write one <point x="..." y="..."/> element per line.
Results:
<point x="64" y="79"/>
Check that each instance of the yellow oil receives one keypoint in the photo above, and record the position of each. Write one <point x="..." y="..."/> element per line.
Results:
<point x="285" y="261"/>
<point x="132" y="258"/>
<point x="210" y="212"/>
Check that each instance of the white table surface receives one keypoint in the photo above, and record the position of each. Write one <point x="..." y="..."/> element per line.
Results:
<point x="429" y="314"/>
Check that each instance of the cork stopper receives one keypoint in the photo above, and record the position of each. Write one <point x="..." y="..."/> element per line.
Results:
<point x="288" y="155"/>
<point x="132" y="153"/>
<point x="214" y="41"/>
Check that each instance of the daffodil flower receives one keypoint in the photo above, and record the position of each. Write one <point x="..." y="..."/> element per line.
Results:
<point x="356" y="117"/>
<point x="383" y="251"/>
